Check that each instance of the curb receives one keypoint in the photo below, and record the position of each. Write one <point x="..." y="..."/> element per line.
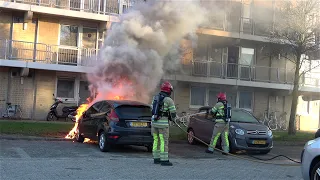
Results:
<point x="32" y="138"/>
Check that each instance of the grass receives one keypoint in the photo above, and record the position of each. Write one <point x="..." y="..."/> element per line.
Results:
<point x="177" y="134"/>
<point x="44" y="129"/>
<point x="60" y="129"/>
<point x="301" y="136"/>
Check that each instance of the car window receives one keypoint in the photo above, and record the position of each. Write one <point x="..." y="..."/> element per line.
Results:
<point x="204" y="115"/>
<point x="242" y="116"/>
<point x="94" y="108"/>
<point x="127" y="111"/>
<point x="105" y="107"/>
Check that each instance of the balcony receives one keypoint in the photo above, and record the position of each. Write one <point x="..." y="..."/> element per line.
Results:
<point x="28" y="52"/>
<point x="237" y="74"/>
<point x="92" y="6"/>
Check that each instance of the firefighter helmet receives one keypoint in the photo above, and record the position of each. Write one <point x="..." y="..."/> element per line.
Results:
<point x="166" y="87"/>
<point x="222" y="97"/>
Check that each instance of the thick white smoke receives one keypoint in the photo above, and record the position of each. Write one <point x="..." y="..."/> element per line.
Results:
<point x="142" y="46"/>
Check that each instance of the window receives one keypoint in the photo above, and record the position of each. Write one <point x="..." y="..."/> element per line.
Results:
<point x="94" y="108"/>
<point x="65" y="88"/>
<point x="245" y="100"/>
<point x="89" y="37"/>
<point x="242" y="116"/>
<point x="69" y="35"/>
<point x="105" y="107"/>
<point x="247" y="56"/>
<point x="198" y="95"/>
<point x="212" y="97"/>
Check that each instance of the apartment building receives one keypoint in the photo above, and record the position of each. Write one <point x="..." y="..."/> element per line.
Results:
<point x="46" y="46"/>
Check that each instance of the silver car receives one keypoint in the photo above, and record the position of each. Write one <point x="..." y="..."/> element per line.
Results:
<point x="310" y="159"/>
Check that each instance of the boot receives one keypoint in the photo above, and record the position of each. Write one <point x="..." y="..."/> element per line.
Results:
<point x="166" y="163"/>
<point x="156" y="161"/>
<point x="208" y="151"/>
<point x="224" y="153"/>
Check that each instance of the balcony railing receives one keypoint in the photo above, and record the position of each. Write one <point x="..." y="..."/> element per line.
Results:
<point x="74" y="56"/>
<point x="245" y="72"/>
<point x="92" y="6"/>
<point x="49" y="54"/>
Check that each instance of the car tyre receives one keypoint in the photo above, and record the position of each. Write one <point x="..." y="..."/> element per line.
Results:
<point x="104" y="146"/>
<point x="79" y="137"/>
<point x="190" y="138"/>
<point x="315" y="172"/>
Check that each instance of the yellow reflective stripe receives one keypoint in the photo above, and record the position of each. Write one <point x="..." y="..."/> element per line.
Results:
<point x="161" y="143"/>
<point x="226" y="138"/>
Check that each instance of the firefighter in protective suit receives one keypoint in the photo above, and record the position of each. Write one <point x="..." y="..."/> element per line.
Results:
<point x="221" y="127"/>
<point x="160" y="124"/>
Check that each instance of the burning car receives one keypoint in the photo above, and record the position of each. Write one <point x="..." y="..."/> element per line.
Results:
<point x="113" y="122"/>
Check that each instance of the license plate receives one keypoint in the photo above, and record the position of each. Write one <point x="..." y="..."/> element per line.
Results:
<point x="139" y="124"/>
<point x="259" y="142"/>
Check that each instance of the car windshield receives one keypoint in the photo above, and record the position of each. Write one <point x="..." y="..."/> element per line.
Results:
<point x="238" y="115"/>
<point x="128" y="111"/>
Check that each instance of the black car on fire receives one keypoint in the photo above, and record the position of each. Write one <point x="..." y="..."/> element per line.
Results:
<point x="116" y="122"/>
<point x="245" y="131"/>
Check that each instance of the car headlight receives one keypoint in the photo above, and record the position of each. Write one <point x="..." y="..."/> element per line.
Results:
<point x="269" y="133"/>
<point x="239" y="131"/>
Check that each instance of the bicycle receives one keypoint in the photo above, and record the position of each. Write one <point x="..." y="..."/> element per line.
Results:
<point x="275" y="124"/>
<point x="12" y="111"/>
<point x="183" y="119"/>
<point x="265" y="118"/>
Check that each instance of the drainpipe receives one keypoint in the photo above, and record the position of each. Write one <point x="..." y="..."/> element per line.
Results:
<point x="34" y="95"/>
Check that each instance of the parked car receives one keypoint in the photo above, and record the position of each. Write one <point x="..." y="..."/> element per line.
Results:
<point x="245" y="131"/>
<point x="118" y="122"/>
<point x="317" y="134"/>
<point x="310" y="160"/>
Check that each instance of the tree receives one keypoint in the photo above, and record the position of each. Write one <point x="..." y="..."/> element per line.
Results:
<point x="297" y="29"/>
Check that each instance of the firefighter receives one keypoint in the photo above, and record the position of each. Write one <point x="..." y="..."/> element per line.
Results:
<point x="163" y="110"/>
<point x="221" y="126"/>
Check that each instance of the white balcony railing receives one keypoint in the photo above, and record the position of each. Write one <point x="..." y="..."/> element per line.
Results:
<point x="74" y="56"/>
<point x="247" y="73"/>
<point x="49" y="54"/>
<point x="92" y="6"/>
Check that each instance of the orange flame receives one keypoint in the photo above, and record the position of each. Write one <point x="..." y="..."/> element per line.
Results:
<point x="101" y="96"/>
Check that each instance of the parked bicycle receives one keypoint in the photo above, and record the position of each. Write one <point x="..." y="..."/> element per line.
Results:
<point x="12" y="112"/>
<point x="275" y="124"/>
<point x="182" y="119"/>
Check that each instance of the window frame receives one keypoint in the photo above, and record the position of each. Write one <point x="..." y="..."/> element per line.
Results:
<point x="252" y="100"/>
<point x="190" y="98"/>
<point x="78" y="35"/>
<point x="74" y="88"/>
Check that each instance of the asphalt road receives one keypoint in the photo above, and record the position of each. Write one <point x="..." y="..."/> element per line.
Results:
<point x="22" y="159"/>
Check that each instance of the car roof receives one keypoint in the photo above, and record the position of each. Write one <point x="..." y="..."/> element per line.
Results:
<point x="210" y="107"/>
<point x="117" y="103"/>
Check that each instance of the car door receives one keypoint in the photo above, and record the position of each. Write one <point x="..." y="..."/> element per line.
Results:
<point x="87" y="120"/>
<point x="99" y="118"/>
<point x="208" y="127"/>
<point x="200" y="121"/>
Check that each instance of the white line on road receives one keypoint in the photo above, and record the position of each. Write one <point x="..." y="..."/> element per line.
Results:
<point x="22" y="153"/>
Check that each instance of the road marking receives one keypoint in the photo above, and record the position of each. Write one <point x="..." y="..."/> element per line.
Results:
<point x="22" y="153"/>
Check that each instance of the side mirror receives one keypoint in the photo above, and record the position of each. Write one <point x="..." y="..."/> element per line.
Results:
<point x="66" y="99"/>
<point x="53" y="95"/>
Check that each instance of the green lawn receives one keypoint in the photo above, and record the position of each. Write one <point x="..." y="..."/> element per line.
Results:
<point x="301" y="136"/>
<point x="47" y="129"/>
<point x="61" y="129"/>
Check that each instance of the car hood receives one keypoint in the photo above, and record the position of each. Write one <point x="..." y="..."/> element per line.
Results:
<point x="249" y="126"/>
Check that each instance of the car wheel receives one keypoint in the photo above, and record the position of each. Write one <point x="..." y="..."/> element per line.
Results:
<point x="149" y="148"/>
<point x="103" y="144"/>
<point x="79" y="137"/>
<point x="315" y="173"/>
<point x="190" y="136"/>
<point x="265" y="151"/>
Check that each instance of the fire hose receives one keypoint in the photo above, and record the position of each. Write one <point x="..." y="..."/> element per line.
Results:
<point x="256" y="159"/>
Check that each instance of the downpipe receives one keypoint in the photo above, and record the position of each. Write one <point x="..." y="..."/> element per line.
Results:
<point x="258" y="160"/>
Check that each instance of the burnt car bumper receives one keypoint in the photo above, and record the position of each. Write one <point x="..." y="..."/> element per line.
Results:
<point x="254" y="143"/>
